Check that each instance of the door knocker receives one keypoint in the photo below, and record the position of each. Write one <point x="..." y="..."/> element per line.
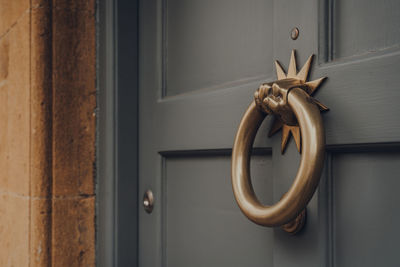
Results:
<point x="297" y="113"/>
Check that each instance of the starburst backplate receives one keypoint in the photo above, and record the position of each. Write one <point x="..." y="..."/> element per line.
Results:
<point x="302" y="75"/>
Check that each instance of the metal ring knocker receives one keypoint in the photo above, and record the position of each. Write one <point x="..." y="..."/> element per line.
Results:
<point x="289" y="100"/>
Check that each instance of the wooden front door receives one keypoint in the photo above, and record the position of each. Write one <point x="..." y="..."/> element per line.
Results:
<point x="200" y="62"/>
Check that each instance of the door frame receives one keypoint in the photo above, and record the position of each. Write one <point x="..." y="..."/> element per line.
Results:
<point x="117" y="133"/>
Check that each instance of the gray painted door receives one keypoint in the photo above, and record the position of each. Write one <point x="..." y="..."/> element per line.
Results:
<point x="200" y="63"/>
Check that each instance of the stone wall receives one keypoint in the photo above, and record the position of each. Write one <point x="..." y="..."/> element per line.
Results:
<point x="47" y="132"/>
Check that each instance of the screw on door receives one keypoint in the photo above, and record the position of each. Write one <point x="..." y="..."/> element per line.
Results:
<point x="294" y="34"/>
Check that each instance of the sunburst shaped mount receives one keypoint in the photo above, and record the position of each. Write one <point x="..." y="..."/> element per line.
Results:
<point x="310" y="88"/>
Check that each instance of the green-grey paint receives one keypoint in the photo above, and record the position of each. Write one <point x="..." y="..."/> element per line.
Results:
<point x="199" y="64"/>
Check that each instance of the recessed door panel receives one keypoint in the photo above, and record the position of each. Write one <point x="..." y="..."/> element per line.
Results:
<point x="362" y="27"/>
<point x="213" y="43"/>
<point x="365" y="204"/>
<point x="202" y="225"/>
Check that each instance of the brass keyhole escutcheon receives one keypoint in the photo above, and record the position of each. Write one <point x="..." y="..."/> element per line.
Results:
<point x="148" y="201"/>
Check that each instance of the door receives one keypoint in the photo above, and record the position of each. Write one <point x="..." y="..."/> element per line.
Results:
<point x="200" y="63"/>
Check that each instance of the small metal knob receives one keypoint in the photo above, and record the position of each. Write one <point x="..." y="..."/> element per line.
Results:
<point x="148" y="201"/>
<point x="294" y="34"/>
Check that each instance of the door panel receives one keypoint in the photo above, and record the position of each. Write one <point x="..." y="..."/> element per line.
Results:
<point x="362" y="64"/>
<point x="358" y="27"/>
<point x="203" y="38"/>
<point x="195" y="195"/>
<point x="365" y="204"/>
<point x="307" y="248"/>
<point x="200" y="63"/>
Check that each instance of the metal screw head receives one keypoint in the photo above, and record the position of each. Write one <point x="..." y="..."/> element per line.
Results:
<point x="148" y="201"/>
<point x="294" y="34"/>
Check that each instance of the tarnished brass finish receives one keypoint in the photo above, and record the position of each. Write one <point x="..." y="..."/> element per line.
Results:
<point x="295" y="225"/>
<point x="289" y="128"/>
<point x="148" y="201"/>
<point x="288" y="99"/>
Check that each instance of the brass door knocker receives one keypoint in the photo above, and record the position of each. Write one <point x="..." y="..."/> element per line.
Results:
<point x="297" y="113"/>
